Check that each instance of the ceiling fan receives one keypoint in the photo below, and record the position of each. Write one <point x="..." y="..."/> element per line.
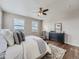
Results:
<point x="42" y="11"/>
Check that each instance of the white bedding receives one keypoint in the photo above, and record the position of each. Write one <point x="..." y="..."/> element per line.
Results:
<point x="14" y="52"/>
<point x="27" y="50"/>
<point x="3" y="44"/>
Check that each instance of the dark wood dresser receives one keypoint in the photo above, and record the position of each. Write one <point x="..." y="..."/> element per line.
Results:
<point x="56" y="36"/>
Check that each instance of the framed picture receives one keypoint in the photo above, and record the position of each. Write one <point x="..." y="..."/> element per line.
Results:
<point x="58" y="27"/>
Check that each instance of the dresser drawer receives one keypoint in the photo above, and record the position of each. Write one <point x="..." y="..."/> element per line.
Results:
<point x="56" y="36"/>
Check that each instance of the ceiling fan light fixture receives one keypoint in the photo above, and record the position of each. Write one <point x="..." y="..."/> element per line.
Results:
<point x="39" y="14"/>
<point x="42" y="11"/>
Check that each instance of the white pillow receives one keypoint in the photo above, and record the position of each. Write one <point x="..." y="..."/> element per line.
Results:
<point x="8" y="35"/>
<point x="3" y="44"/>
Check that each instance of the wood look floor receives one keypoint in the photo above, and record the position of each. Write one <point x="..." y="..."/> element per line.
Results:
<point x="72" y="51"/>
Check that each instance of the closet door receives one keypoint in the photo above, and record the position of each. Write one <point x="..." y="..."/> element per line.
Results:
<point x="0" y="18"/>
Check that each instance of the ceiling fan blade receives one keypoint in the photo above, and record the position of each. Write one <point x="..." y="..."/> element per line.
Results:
<point x="45" y="10"/>
<point x="44" y="14"/>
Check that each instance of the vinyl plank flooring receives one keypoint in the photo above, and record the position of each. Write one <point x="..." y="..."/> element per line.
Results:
<point x="72" y="52"/>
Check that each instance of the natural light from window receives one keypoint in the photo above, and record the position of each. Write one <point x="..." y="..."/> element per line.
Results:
<point x="18" y="24"/>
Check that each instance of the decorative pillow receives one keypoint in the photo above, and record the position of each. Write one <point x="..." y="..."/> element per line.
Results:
<point x="8" y="35"/>
<point x="16" y="39"/>
<point x="3" y="44"/>
<point x="19" y="36"/>
<point x="22" y="35"/>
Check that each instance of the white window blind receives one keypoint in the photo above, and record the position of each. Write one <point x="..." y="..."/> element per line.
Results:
<point x="18" y="24"/>
<point x="34" y="26"/>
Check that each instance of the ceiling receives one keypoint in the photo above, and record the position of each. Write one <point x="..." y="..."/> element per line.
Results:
<point x="57" y="8"/>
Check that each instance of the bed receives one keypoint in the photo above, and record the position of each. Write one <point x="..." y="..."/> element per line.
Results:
<point x="32" y="48"/>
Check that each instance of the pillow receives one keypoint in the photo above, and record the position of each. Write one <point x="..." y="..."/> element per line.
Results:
<point x="8" y="35"/>
<point x="16" y="39"/>
<point x="22" y="35"/>
<point x="19" y="36"/>
<point x="3" y="44"/>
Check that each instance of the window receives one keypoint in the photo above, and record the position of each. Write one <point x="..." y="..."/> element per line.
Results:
<point x="18" y="24"/>
<point x="34" y="26"/>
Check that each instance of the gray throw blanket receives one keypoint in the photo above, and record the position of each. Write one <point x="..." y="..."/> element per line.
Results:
<point x="41" y="45"/>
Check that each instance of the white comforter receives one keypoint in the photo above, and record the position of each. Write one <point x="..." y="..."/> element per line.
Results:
<point x="3" y="44"/>
<point x="27" y="50"/>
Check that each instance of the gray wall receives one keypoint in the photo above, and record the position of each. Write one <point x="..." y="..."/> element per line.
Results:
<point x="70" y="27"/>
<point x="8" y="23"/>
<point x="0" y="18"/>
